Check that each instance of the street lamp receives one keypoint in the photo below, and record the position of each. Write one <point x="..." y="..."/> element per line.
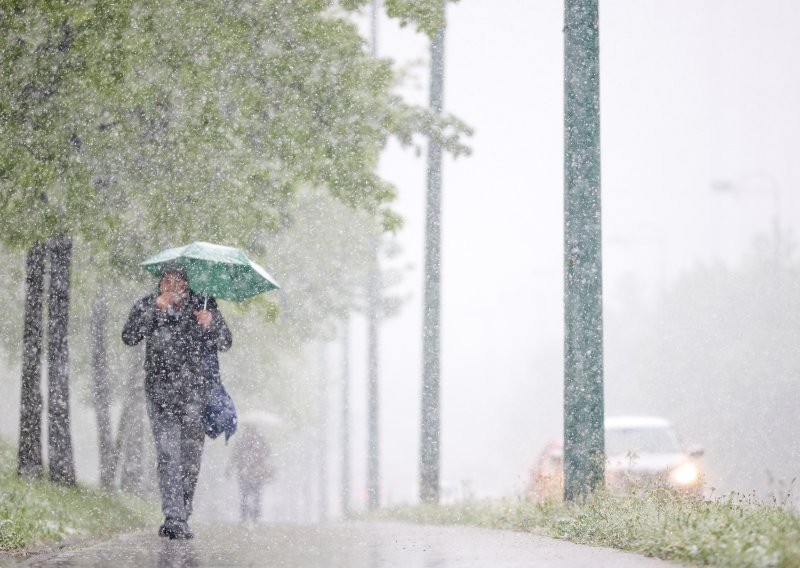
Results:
<point x="744" y="184"/>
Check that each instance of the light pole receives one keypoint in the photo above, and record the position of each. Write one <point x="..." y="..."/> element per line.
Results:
<point x="373" y="314"/>
<point x="430" y="427"/>
<point x="345" y="489"/>
<point x="584" y="441"/>
<point x="322" y="435"/>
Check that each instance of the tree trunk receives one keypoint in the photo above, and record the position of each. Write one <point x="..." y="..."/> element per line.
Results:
<point x="29" y="460"/>
<point x="131" y="479"/>
<point x="101" y="392"/>
<point x="129" y="448"/>
<point x="62" y="465"/>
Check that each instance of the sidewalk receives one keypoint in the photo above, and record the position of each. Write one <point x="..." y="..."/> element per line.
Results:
<point x="350" y="545"/>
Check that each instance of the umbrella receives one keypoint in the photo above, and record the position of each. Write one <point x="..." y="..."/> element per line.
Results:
<point x="215" y="270"/>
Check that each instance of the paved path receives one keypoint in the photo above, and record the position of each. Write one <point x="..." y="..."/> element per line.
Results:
<point x="350" y="545"/>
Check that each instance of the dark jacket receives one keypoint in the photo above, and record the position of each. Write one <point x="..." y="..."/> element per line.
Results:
<point x="176" y="344"/>
<point x="251" y="459"/>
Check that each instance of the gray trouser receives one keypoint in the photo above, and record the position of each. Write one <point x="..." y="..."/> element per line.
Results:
<point x="179" y="435"/>
<point x="250" y="494"/>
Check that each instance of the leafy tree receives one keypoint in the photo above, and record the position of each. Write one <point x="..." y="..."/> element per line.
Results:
<point x="43" y="196"/>
<point x="131" y="126"/>
<point x="152" y="124"/>
<point x="428" y="16"/>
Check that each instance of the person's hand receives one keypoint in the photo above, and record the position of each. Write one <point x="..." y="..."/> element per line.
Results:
<point x="203" y="317"/>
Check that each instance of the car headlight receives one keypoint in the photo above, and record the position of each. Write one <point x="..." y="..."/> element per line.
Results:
<point x="685" y="474"/>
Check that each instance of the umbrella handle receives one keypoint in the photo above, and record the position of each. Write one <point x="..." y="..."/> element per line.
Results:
<point x="205" y="303"/>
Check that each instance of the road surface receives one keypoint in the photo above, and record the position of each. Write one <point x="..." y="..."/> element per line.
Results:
<point x="347" y="545"/>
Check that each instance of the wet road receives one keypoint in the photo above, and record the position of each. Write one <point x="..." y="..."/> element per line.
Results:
<point x="351" y="545"/>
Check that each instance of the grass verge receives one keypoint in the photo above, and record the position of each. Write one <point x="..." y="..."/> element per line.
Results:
<point x="37" y="512"/>
<point x="736" y="530"/>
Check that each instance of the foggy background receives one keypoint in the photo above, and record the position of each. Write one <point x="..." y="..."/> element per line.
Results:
<point x="692" y="94"/>
<point x="699" y="136"/>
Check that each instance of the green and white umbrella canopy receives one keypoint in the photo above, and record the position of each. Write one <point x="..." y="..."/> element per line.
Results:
<point x="215" y="270"/>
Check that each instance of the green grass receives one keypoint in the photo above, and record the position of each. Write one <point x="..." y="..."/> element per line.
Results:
<point x="736" y="530"/>
<point x="37" y="512"/>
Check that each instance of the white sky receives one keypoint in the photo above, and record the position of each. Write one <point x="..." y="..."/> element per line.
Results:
<point x="691" y="92"/>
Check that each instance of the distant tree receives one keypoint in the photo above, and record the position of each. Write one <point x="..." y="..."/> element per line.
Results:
<point x="101" y="392"/>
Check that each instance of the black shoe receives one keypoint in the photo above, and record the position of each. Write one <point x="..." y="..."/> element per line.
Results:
<point x="175" y="529"/>
<point x="187" y="532"/>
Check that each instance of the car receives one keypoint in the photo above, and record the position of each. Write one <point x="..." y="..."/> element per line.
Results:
<point x="640" y="451"/>
<point x="645" y="450"/>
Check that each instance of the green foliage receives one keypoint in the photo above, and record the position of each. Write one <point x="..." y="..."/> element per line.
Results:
<point x="736" y="530"/>
<point x="41" y="174"/>
<point x="141" y="124"/>
<point x="267" y="366"/>
<point x="138" y="125"/>
<point x="36" y="512"/>
<point x="12" y="279"/>
<point x="427" y="15"/>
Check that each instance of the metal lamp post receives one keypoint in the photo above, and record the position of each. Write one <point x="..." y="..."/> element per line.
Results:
<point x="584" y="441"/>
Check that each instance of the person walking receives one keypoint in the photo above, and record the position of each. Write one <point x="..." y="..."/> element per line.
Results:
<point x="250" y="459"/>
<point x="178" y="326"/>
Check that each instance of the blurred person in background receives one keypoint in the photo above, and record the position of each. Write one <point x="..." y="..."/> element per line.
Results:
<point x="251" y="463"/>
